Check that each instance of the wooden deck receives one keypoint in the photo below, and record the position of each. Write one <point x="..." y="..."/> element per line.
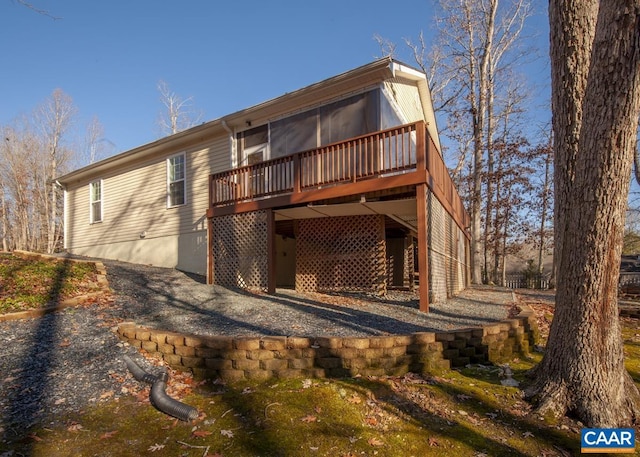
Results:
<point x="393" y="158"/>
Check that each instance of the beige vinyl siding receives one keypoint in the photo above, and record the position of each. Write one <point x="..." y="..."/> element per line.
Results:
<point x="135" y="199"/>
<point x="406" y="96"/>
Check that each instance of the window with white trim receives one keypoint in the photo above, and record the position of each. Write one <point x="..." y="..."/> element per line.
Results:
<point x="176" y="181"/>
<point x="95" y="201"/>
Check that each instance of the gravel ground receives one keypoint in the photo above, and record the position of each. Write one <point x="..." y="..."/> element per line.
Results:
<point x="61" y="363"/>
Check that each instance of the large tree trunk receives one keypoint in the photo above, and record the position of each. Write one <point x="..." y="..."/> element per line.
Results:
<point x="595" y="56"/>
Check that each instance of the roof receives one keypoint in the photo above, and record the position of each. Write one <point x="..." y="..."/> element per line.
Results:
<point x="349" y="81"/>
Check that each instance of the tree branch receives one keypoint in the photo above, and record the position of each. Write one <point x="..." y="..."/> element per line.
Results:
<point x="38" y="10"/>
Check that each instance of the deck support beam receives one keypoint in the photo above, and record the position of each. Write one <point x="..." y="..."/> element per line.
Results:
<point x="271" y="252"/>
<point x="209" y="250"/>
<point x="423" y="258"/>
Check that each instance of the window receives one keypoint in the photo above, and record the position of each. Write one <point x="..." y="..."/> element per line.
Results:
<point x="176" y="181"/>
<point x="95" y="202"/>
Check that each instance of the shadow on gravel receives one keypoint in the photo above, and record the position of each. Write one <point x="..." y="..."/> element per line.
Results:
<point x="28" y="398"/>
<point x="154" y="296"/>
<point x="179" y="301"/>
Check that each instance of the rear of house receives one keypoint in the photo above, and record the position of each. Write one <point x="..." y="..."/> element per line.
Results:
<point x="338" y="186"/>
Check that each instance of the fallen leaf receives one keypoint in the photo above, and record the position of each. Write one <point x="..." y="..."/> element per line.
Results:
<point x="142" y="396"/>
<point x="75" y="427"/>
<point x="355" y="399"/>
<point x="375" y="442"/>
<point x="107" y="394"/>
<point x="60" y="401"/>
<point x="227" y="433"/>
<point x="308" y="419"/>
<point x="433" y="442"/>
<point x="372" y="421"/>
<point x="201" y="433"/>
<point x="64" y="343"/>
<point x="318" y="409"/>
<point x="307" y="383"/>
<point x="527" y="435"/>
<point x="107" y="435"/>
<point x="156" y="447"/>
<point x="247" y="390"/>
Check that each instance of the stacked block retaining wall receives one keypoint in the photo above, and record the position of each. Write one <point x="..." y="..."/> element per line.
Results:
<point x="286" y="357"/>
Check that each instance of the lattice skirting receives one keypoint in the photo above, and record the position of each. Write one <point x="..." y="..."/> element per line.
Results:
<point x="341" y="254"/>
<point x="240" y="250"/>
<point x="447" y="253"/>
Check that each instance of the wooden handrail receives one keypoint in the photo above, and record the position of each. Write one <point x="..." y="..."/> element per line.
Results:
<point x="402" y="149"/>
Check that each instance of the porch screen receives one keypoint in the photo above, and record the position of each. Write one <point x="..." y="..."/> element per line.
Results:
<point x="337" y="121"/>
<point x="294" y="134"/>
<point x="349" y="118"/>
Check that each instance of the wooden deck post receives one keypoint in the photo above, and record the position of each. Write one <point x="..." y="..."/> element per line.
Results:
<point x="271" y="252"/>
<point x="423" y="256"/>
<point x="209" y="250"/>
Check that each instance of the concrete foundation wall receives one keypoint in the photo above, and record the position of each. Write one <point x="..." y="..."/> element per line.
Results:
<point x="186" y="252"/>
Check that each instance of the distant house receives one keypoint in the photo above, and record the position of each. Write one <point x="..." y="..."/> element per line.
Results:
<point x="338" y="186"/>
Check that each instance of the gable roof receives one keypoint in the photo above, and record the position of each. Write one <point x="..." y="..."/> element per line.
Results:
<point x="352" y="80"/>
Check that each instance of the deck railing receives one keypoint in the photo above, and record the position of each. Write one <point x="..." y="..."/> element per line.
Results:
<point x="384" y="153"/>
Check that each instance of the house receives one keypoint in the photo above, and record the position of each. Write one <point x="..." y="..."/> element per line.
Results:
<point x="337" y="186"/>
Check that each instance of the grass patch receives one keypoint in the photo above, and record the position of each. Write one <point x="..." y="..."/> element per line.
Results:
<point x="27" y="284"/>
<point x="460" y="413"/>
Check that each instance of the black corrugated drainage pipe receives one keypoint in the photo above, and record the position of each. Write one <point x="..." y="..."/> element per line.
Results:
<point x="158" y="396"/>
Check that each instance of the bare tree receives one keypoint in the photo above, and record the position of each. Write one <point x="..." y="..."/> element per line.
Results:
<point x="545" y="199"/>
<point x="467" y="69"/>
<point x="18" y="168"/>
<point x="178" y="113"/>
<point x="595" y="64"/>
<point x="97" y="147"/>
<point x="476" y="37"/>
<point x="54" y="118"/>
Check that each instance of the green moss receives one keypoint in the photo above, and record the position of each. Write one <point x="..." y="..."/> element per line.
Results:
<point x="456" y="414"/>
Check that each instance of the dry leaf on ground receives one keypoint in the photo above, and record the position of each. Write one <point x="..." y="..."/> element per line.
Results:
<point x="75" y="427"/>
<point x="375" y="442"/>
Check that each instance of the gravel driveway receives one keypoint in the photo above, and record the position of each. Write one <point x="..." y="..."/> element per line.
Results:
<point x="60" y="363"/>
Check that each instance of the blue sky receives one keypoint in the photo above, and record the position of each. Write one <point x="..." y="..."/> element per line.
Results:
<point x="109" y="55"/>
